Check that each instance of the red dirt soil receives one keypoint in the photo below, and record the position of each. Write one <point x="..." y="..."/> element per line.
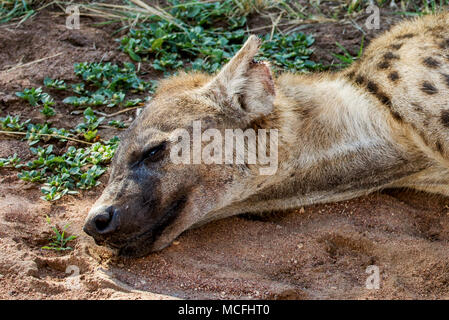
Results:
<point x="321" y="251"/>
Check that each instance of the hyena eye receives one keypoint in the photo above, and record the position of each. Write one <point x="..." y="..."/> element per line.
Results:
<point x="154" y="154"/>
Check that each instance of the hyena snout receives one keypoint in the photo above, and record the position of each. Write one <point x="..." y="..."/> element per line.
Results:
<point x="102" y="221"/>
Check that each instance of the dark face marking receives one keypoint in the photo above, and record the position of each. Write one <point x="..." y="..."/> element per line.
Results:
<point x="445" y="118"/>
<point x="446" y="78"/>
<point x="406" y="36"/>
<point x="393" y="76"/>
<point x="428" y="88"/>
<point x="431" y="62"/>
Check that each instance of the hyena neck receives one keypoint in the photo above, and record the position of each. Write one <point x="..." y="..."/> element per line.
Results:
<point x="334" y="144"/>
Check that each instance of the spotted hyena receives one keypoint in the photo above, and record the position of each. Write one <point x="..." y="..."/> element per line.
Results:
<point x="384" y="122"/>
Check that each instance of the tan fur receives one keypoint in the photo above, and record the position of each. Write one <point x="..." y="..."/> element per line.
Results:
<point x="384" y="122"/>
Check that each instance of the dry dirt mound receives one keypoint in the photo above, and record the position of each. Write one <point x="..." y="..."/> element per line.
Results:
<point x="320" y="252"/>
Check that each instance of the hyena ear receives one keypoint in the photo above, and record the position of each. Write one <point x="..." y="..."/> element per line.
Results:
<point x="243" y="87"/>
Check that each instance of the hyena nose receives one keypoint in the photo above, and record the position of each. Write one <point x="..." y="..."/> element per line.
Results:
<point x="102" y="221"/>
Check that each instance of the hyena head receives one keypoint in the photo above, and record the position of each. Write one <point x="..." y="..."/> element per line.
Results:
<point x="150" y="199"/>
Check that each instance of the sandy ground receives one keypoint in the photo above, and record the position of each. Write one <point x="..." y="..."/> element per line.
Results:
<point x="320" y="251"/>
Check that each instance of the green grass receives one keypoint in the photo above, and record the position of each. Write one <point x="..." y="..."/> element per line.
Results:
<point x="59" y="241"/>
<point x="33" y="133"/>
<point x="117" y="124"/>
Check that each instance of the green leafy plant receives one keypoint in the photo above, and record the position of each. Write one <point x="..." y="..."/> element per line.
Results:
<point x="48" y="111"/>
<point x="10" y="123"/>
<point x="421" y="7"/>
<point x="55" y="84"/>
<point x="32" y="95"/>
<point x="38" y="132"/>
<point x="59" y="240"/>
<point x="89" y="127"/>
<point x="77" y="168"/>
<point x="32" y="132"/>
<point x="133" y="102"/>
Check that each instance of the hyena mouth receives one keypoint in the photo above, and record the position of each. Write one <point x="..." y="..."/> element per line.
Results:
<point x="141" y="244"/>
